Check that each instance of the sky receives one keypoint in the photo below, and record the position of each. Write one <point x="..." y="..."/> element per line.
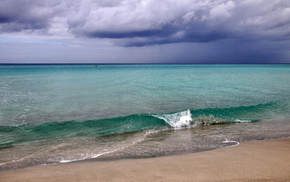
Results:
<point x="144" y="31"/>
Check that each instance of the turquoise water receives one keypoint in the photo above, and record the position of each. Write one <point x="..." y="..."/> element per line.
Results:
<point x="63" y="113"/>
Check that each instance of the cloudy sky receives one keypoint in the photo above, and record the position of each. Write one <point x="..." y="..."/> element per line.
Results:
<point x="144" y="31"/>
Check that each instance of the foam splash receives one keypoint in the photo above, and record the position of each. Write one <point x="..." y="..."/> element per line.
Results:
<point x="185" y="119"/>
<point x="177" y="120"/>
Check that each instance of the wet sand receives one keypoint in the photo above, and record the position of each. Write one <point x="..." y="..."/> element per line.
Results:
<point x="251" y="161"/>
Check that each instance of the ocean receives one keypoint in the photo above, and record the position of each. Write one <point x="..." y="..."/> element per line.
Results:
<point x="51" y="114"/>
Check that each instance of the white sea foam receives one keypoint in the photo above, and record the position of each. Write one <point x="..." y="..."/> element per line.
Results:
<point x="231" y="141"/>
<point x="177" y="120"/>
<point x="242" y="121"/>
<point x="131" y="142"/>
<point x="84" y="157"/>
<point x="184" y="119"/>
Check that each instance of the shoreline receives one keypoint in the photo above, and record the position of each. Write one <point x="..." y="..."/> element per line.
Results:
<point x="266" y="160"/>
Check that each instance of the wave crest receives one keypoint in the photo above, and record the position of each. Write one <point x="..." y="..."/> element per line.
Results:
<point x="10" y="135"/>
<point x="177" y="120"/>
<point x="184" y="119"/>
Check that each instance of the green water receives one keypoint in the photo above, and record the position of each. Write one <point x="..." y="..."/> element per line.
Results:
<point x="63" y="113"/>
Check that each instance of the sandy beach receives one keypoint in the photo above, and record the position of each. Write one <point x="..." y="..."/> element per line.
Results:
<point x="251" y="161"/>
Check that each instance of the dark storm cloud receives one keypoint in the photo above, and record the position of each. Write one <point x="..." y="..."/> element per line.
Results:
<point x="139" y="23"/>
<point x="198" y="37"/>
<point x="21" y="15"/>
<point x="120" y="35"/>
<point x="166" y="34"/>
<point x="150" y="22"/>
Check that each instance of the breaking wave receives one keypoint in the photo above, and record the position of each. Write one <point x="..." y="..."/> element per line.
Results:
<point x="138" y="122"/>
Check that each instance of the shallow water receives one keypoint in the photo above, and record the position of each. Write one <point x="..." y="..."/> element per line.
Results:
<point x="61" y="113"/>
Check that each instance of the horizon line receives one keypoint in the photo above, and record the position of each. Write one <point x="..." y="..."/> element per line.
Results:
<point x="127" y="63"/>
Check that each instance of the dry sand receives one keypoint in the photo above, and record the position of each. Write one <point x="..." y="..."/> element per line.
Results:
<point x="252" y="161"/>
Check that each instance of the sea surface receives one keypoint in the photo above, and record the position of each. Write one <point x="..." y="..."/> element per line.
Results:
<point x="52" y="114"/>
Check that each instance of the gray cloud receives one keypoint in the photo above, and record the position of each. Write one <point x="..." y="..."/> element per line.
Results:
<point x="138" y="23"/>
<point x="28" y="14"/>
<point x="150" y="22"/>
